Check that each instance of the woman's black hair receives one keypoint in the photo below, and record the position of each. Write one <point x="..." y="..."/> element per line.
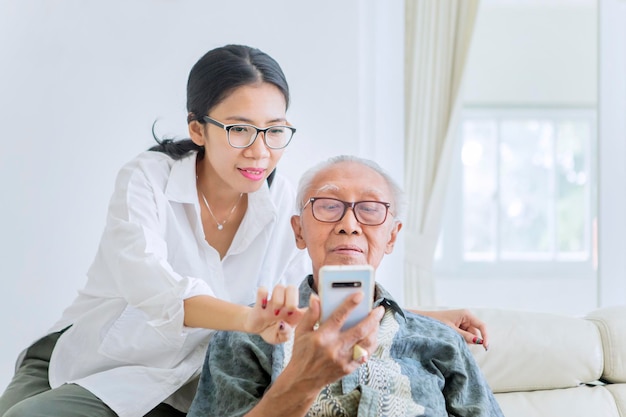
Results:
<point x="212" y="78"/>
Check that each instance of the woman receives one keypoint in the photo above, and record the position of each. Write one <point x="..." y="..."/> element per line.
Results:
<point x="194" y="227"/>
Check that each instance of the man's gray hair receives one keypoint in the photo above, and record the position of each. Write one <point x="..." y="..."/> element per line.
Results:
<point x="306" y="181"/>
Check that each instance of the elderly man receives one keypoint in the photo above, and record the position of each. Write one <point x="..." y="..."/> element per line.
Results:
<point x="392" y="363"/>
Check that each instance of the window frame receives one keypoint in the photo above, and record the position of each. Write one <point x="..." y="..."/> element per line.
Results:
<point x="449" y="259"/>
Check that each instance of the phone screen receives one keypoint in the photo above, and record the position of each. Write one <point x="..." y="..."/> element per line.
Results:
<point x="336" y="282"/>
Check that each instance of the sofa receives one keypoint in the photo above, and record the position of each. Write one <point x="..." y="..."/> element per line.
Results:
<point x="541" y="364"/>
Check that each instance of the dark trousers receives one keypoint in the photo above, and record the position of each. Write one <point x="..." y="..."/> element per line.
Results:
<point x="29" y="393"/>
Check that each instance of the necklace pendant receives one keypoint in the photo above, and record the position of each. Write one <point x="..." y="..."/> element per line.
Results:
<point x="220" y="225"/>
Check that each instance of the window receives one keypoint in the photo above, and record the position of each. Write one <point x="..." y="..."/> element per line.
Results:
<point x="522" y="195"/>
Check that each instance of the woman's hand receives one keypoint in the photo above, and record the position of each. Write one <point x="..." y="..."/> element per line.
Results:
<point x="473" y="330"/>
<point x="274" y="318"/>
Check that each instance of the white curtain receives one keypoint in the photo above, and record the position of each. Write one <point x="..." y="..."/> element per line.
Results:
<point x="438" y="36"/>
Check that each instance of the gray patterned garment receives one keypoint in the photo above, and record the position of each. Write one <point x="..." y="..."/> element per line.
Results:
<point x="421" y="368"/>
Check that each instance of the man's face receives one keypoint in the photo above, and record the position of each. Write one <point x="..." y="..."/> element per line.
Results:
<point x="346" y="241"/>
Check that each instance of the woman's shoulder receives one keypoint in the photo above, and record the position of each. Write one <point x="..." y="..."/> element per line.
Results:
<point x="150" y="159"/>
<point x="148" y="167"/>
<point x="280" y="181"/>
<point x="282" y="190"/>
<point x="150" y="163"/>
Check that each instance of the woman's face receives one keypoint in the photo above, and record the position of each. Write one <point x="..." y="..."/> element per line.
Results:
<point x="243" y="170"/>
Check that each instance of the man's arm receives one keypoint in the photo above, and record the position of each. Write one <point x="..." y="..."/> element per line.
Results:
<point x="236" y="377"/>
<point x="290" y="395"/>
<point x="238" y="371"/>
<point x="320" y="356"/>
<point x="466" y="391"/>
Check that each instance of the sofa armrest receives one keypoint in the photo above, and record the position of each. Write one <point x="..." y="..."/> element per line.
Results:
<point x="611" y="323"/>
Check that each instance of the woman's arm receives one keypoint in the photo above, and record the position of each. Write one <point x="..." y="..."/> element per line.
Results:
<point x="273" y="319"/>
<point x="470" y="327"/>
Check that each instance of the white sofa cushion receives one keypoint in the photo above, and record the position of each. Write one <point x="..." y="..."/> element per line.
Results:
<point x="570" y="402"/>
<point x="619" y="395"/>
<point x="533" y="351"/>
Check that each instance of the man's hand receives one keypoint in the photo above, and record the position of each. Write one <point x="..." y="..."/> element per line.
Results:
<point x="323" y="355"/>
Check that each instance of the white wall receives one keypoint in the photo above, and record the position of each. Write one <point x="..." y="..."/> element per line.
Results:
<point x="82" y="81"/>
<point x="534" y="53"/>
<point x="612" y="153"/>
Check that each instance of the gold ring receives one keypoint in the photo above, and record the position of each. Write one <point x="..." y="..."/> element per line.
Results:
<point x="359" y="354"/>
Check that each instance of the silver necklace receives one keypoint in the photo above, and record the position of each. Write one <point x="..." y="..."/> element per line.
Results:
<point x="220" y="225"/>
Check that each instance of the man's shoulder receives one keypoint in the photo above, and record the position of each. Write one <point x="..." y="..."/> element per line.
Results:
<point x="430" y="327"/>
<point x="232" y="342"/>
<point x="223" y="338"/>
<point x="424" y="338"/>
<point x="237" y="351"/>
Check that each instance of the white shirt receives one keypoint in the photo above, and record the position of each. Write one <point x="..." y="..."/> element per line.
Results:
<point x="127" y="343"/>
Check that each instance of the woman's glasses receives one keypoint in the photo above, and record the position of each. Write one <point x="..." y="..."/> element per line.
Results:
<point x="241" y="135"/>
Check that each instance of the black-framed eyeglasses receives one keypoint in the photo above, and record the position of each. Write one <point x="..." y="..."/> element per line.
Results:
<point x="331" y="210"/>
<point x="242" y="135"/>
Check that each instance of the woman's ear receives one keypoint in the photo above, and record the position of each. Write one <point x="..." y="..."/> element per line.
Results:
<point x="197" y="132"/>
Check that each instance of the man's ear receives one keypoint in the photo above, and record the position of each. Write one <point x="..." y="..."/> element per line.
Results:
<point x="397" y="225"/>
<point x="296" y="225"/>
<point x="197" y="132"/>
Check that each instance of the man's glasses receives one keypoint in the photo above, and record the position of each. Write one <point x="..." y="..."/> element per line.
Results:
<point x="331" y="210"/>
<point x="242" y="135"/>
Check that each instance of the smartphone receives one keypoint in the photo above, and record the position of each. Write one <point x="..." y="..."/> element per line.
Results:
<point x="336" y="282"/>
